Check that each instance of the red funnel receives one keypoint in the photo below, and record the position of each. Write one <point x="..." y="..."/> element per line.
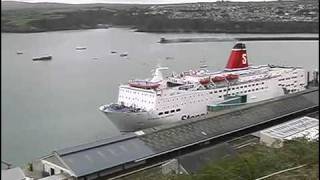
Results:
<point x="238" y="57"/>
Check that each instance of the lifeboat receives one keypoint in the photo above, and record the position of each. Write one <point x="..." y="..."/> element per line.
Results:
<point x="232" y="76"/>
<point x="218" y="78"/>
<point x="144" y="84"/>
<point x="204" y="81"/>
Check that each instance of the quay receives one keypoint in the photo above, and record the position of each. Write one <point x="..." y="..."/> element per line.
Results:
<point x="116" y="156"/>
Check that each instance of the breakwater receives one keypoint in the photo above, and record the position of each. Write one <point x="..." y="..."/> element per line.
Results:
<point x="186" y="40"/>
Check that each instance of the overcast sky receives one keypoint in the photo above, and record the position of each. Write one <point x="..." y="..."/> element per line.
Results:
<point x="125" y="1"/>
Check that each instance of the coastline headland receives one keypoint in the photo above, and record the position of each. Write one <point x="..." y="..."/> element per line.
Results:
<point x="301" y="16"/>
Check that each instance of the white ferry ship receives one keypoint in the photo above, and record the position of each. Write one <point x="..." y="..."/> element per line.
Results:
<point x="196" y="94"/>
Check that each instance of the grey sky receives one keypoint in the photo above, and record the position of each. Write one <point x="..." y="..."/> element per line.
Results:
<point x="126" y="1"/>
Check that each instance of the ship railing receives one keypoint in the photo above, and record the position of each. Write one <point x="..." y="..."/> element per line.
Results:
<point x="228" y="83"/>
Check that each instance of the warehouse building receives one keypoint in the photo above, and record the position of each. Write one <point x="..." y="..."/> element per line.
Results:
<point x="302" y="127"/>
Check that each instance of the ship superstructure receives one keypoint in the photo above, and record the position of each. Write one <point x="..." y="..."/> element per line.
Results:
<point x="192" y="94"/>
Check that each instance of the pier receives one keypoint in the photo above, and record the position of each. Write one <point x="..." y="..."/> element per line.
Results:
<point x="128" y="153"/>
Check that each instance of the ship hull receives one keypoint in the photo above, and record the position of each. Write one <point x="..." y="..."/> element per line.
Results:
<point x="129" y="122"/>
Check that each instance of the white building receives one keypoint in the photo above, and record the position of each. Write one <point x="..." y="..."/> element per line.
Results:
<point x="302" y="127"/>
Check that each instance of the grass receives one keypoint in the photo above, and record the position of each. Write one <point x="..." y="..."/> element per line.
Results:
<point x="259" y="161"/>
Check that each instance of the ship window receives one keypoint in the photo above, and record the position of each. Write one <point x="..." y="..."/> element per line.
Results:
<point x="166" y="112"/>
<point x="224" y="90"/>
<point x="249" y="85"/>
<point x="245" y="91"/>
<point x="172" y="111"/>
<point x="228" y="88"/>
<point x="245" y="86"/>
<point x="241" y="86"/>
<point x="211" y="92"/>
<point x="220" y="96"/>
<point x="249" y="90"/>
<point x="237" y="88"/>
<point x="257" y="84"/>
<point x="232" y="88"/>
<point x="160" y="113"/>
<point x="220" y="90"/>
<point x="178" y="110"/>
<point x="262" y="83"/>
<point x="215" y="91"/>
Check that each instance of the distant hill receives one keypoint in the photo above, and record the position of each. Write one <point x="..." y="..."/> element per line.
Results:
<point x="12" y="5"/>
<point x="16" y="5"/>
<point x="248" y="17"/>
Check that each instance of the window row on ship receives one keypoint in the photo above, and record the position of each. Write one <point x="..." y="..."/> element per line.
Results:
<point x="192" y="99"/>
<point x="147" y="94"/>
<point x="219" y="91"/>
<point x="293" y="77"/>
<point x="171" y="111"/>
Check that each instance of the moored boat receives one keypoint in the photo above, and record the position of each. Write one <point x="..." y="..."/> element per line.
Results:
<point x="81" y="48"/>
<point x="144" y="84"/>
<point x="218" y="78"/>
<point x="42" y="58"/>
<point x="124" y="54"/>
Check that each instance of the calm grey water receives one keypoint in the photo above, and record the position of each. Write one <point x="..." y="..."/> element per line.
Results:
<point x="51" y="105"/>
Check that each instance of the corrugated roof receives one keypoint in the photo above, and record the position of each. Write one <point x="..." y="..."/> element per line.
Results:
<point x="101" y="142"/>
<point x="295" y="128"/>
<point x="107" y="156"/>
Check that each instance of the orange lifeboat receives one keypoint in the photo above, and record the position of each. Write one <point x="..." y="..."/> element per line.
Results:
<point x="232" y="76"/>
<point x="218" y="78"/>
<point x="204" y="81"/>
<point x="144" y="84"/>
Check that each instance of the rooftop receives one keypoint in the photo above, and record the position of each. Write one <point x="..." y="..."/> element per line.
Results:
<point x="305" y="126"/>
<point x="129" y="149"/>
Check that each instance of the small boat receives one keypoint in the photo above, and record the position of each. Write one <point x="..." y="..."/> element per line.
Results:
<point x="204" y="81"/>
<point x="42" y="58"/>
<point x="19" y="52"/>
<point x="232" y="77"/>
<point x="144" y="84"/>
<point x="81" y="48"/>
<point x="203" y="66"/>
<point x="218" y="78"/>
<point x="123" y="54"/>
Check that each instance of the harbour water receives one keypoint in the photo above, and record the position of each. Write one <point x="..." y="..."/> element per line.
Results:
<point x="49" y="105"/>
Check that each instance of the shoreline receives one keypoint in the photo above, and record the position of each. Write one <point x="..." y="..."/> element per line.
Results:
<point x="162" y="31"/>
